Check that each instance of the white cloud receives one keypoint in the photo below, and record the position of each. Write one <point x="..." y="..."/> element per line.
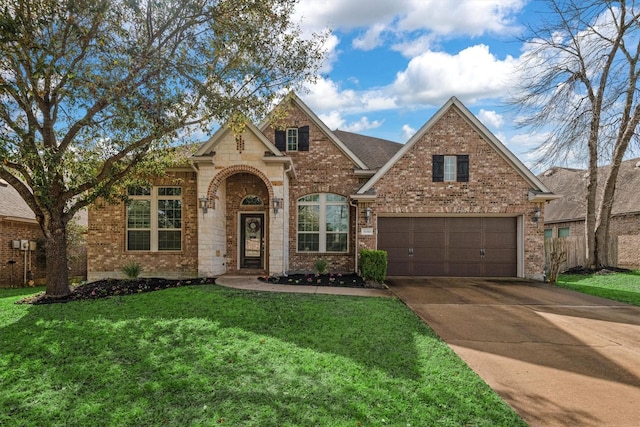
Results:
<point x="363" y="124"/>
<point x="433" y="77"/>
<point x="325" y="95"/>
<point x="371" y="39"/>
<point x="407" y="132"/>
<point x="491" y="119"/>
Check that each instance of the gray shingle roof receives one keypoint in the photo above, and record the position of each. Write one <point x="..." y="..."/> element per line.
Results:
<point x="374" y="152"/>
<point x="11" y="204"/>
<point x="572" y="185"/>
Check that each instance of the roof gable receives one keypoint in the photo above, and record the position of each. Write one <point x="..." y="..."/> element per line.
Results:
<point x="539" y="190"/>
<point x="208" y="147"/>
<point x="295" y="99"/>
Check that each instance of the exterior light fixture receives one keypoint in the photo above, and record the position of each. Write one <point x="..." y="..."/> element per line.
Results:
<point x="367" y="214"/>
<point x="276" y="205"/>
<point x="536" y="214"/>
<point x="204" y="204"/>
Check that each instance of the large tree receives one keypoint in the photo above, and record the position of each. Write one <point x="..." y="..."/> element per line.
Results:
<point x="579" y="82"/>
<point x="90" y="90"/>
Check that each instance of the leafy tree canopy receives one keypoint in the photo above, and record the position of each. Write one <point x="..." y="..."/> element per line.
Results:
<point x="91" y="90"/>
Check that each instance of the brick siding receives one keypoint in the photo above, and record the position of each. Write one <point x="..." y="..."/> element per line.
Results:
<point x="322" y="169"/>
<point x="106" y="240"/>
<point x="494" y="187"/>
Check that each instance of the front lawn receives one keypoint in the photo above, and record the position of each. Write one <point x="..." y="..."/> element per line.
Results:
<point x="207" y="355"/>
<point x="624" y="287"/>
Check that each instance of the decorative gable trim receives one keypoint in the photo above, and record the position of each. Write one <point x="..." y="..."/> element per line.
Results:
<point x="537" y="186"/>
<point x="209" y="147"/>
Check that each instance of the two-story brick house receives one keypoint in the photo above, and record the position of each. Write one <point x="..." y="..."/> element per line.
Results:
<point x="452" y="201"/>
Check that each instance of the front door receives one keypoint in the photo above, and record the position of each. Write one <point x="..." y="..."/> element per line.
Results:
<point x="252" y="240"/>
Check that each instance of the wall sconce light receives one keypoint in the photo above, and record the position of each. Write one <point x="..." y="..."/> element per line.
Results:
<point x="536" y="214"/>
<point x="204" y="204"/>
<point x="367" y="215"/>
<point x="276" y="205"/>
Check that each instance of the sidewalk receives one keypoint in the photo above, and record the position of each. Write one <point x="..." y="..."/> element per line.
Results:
<point x="253" y="284"/>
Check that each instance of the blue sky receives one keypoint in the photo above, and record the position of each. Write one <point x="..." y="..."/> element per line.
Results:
<point x="391" y="64"/>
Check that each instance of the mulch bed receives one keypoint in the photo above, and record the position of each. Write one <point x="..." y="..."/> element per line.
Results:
<point x="115" y="287"/>
<point x="350" y="280"/>
<point x="587" y="271"/>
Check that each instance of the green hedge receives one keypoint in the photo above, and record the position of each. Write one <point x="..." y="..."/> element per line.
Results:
<point x="373" y="265"/>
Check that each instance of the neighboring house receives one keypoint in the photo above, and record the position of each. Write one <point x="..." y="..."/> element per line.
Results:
<point x="18" y="225"/>
<point x="452" y="201"/>
<point x="22" y="254"/>
<point x="565" y="217"/>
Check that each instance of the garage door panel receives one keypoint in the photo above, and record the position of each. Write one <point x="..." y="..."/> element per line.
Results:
<point x="429" y="254"/>
<point x="428" y="239"/>
<point x="465" y="239"/>
<point x="464" y="224"/>
<point x="500" y="240"/>
<point x="462" y="255"/>
<point x="500" y="255"/>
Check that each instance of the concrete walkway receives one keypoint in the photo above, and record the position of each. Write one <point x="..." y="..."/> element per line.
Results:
<point x="253" y="284"/>
<point x="559" y="358"/>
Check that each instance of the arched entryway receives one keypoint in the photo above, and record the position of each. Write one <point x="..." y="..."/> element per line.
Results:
<point x="247" y="219"/>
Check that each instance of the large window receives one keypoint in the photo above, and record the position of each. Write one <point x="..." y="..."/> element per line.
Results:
<point x="154" y="219"/>
<point x="323" y="223"/>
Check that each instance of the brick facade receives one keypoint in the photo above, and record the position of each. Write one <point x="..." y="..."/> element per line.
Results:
<point x="106" y="240"/>
<point x="494" y="189"/>
<point x="13" y="274"/>
<point x="322" y="169"/>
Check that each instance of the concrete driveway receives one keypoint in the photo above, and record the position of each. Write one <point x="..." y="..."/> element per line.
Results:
<point x="559" y="358"/>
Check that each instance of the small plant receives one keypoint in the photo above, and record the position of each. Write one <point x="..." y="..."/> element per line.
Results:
<point x="320" y="266"/>
<point x="132" y="269"/>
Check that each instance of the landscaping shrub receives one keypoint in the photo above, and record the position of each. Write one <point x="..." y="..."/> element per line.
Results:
<point x="373" y="265"/>
<point x="132" y="269"/>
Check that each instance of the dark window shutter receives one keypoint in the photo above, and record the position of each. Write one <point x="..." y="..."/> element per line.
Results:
<point x="281" y="140"/>
<point x="462" y="168"/>
<point x="438" y="168"/>
<point x="303" y="138"/>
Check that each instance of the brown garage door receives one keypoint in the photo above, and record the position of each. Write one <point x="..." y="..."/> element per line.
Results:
<point x="462" y="247"/>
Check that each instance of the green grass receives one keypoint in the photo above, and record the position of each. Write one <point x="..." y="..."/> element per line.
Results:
<point x="207" y="355"/>
<point x="624" y="287"/>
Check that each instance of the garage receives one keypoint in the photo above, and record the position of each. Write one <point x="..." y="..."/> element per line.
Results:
<point x="450" y="246"/>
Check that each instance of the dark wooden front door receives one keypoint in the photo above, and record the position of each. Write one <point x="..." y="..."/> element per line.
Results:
<point x="252" y="240"/>
<point x="455" y="246"/>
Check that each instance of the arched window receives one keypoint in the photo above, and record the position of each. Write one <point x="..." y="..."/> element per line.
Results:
<point x="323" y="223"/>
<point x="252" y="200"/>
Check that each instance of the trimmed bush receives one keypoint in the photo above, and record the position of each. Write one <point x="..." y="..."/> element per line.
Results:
<point x="373" y="265"/>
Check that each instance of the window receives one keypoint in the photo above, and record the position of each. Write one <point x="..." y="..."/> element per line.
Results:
<point x="450" y="168"/>
<point x="563" y="232"/>
<point x="548" y="233"/>
<point x="323" y="223"/>
<point x="154" y="219"/>
<point x="292" y="139"/>
<point x="252" y="200"/>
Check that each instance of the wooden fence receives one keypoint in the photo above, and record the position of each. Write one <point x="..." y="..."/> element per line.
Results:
<point x="575" y="249"/>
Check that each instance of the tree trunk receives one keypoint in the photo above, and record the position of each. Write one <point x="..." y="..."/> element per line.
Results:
<point x="592" y="187"/>
<point x="57" y="267"/>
